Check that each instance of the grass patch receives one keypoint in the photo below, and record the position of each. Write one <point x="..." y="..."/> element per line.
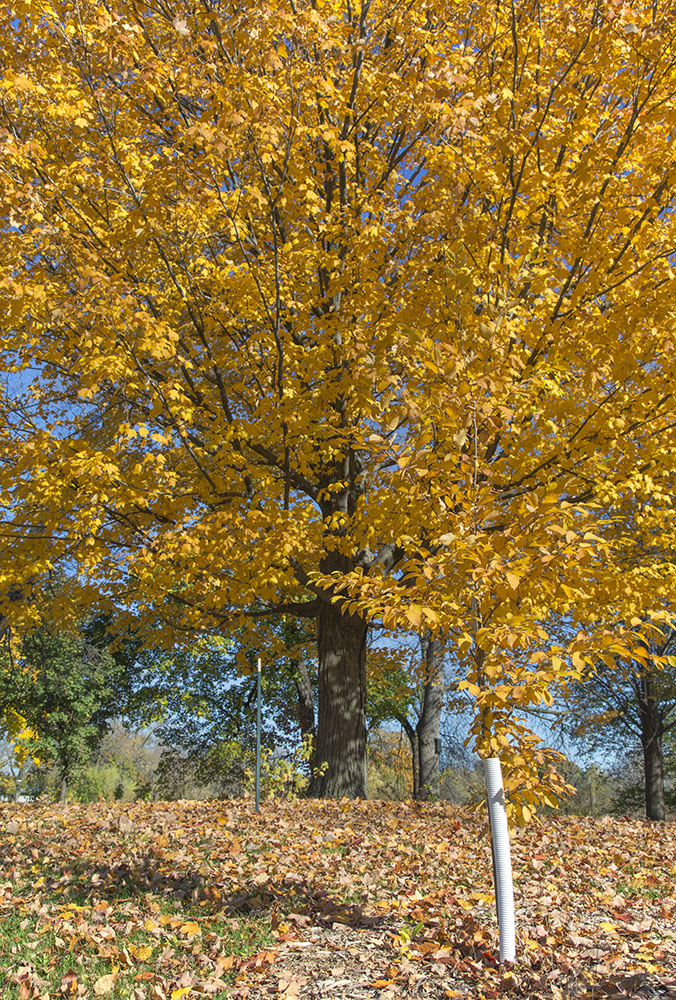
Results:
<point x="638" y="890"/>
<point x="67" y="938"/>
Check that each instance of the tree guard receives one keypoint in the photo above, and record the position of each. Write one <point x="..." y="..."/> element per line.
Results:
<point x="502" y="864"/>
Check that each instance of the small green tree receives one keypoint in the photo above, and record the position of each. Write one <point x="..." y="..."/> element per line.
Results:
<point x="67" y="687"/>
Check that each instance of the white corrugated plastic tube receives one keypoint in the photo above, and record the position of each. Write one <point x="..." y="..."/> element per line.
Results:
<point x="502" y="863"/>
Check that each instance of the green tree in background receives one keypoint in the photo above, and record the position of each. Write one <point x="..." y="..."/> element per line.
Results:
<point x="68" y="687"/>
<point x="629" y="706"/>
<point x="201" y="700"/>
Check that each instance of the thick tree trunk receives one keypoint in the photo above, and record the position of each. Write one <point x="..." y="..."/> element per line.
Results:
<point x="651" y="741"/>
<point x="429" y="722"/>
<point x="340" y="756"/>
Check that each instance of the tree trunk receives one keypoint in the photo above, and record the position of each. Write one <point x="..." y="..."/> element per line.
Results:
<point x="18" y="780"/>
<point x="63" y="792"/>
<point x="429" y="722"/>
<point x="306" y="707"/>
<point x="340" y="756"/>
<point x="415" y="753"/>
<point x="592" y="793"/>
<point x="654" y="780"/>
<point x="651" y="741"/>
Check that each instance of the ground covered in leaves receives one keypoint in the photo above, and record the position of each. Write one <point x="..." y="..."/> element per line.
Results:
<point x="161" y="901"/>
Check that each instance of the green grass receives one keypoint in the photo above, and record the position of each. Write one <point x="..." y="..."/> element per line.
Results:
<point x="51" y="945"/>
<point x="637" y="890"/>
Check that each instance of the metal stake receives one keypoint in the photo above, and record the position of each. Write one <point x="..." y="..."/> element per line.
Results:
<point x="258" y="735"/>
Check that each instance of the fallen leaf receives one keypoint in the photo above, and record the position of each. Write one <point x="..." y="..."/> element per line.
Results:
<point x="105" y="984"/>
<point x="141" y="952"/>
<point x="69" y="983"/>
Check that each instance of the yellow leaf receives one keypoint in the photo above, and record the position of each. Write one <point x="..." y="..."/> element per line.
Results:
<point x="190" y="928"/>
<point x="414" y="615"/>
<point x="141" y="952"/>
<point x="465" y="642"/>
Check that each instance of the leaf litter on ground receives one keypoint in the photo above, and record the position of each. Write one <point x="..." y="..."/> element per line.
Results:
<point x="327" y="899"/>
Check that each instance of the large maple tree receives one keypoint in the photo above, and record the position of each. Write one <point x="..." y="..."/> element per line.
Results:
<point x="356" y="312"/>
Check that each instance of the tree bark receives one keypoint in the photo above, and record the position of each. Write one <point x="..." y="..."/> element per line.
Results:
<point x="429" y="722"/>
<point x="340" y="755"/>
<point x="415" y="753"/>
<point x="651" y="741"/>
<point x="423" y="737"/>
<point x="306" y="707"/>
<point x="655" y="807"/>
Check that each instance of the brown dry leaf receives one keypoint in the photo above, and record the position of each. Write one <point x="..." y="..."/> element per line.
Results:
<point x="105" y="984"/>
<point x="290" y="989"/>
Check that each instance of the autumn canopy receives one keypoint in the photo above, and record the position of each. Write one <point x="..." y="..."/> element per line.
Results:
<point x="360" y="313"/>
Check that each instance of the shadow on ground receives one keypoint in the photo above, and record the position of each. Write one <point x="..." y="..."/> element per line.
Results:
<point x="83" y="883"/>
